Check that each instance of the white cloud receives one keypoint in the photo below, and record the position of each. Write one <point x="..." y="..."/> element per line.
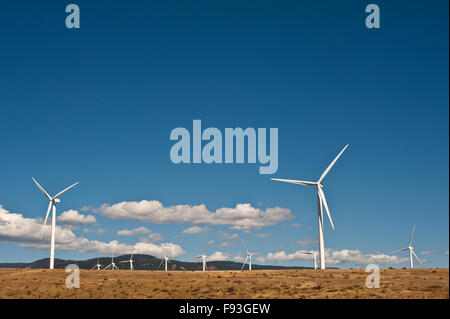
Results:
<point x="218" y="256"/>
<point x="211" y="242"/>
<point x="261" y="259"/>
<point x="446" y="253"/>
<point x="306" y="242"/>
<point x="238" y="257"/>
<point x="227" y="236"/>
<point x="224" y="244"/>
<point x="263" y="235"/>
<point x="337" y="257"/>
<point x="134" y="231"/>
<point x="16" y="228"/>
<point x="195" y="230"/>
<point x="97" y="231"/>
<point x="426" y="253"/>
<point x="73" y="217"/>
<point x="241" y="217"/>
<point x="154" y="237"/>
<point x="295" y="225"/>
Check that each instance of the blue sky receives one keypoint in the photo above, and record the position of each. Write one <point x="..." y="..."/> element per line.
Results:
<point x="97" y="104"/>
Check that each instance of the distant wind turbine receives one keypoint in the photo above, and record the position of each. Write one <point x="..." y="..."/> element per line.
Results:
<point x="321" y="200"/>
<point x="203" y="257"/>
<point x="129" y="261"/>
<point x="249" y="258"/>
<point x="98" y="265"/>
<point x="314" y="254"/>
<point x="165" y="261"/>
<point x="411" y="250"/>
<point x="52" y="204"/>
<point x="112" y="265"/>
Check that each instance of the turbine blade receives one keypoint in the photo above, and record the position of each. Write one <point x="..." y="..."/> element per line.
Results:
<point x="244" y="263"/>
<point x="42" y="189"/>
<point x="245" y="247"/>
<point x="416" y="256"/>
<point x="324" y="201"/>
<point x="331" y="165"/>
<point x="160" y="264"/>
<point x="46" y="217"/>
<point x="403" y="249"/>
<point x="412" y="235"/>
<point x="293" y="181"/>
<point x="65" y="190"/>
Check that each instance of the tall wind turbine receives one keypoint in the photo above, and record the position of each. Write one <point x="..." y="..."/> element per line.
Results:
<point x="129" y="261"/>
<point x="314" y="254"/>
<point x="411" y="250"/>
<point x="52" y="204"/>
<point x="321" y="201"/>
<point x="203" y="257"/>
<point x="165" y="261"/>
<point x="98" y="265"/>
<point x="249" y="258"/>
<point x="112" y="265"/>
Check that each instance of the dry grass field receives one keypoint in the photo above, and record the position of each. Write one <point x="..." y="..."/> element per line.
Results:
<point x="330" y="283"/>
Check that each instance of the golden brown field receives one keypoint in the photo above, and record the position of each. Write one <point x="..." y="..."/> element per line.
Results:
<point x="330" y="283"/>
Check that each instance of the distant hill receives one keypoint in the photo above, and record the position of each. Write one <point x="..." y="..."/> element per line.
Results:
<point x="142" y="262"/>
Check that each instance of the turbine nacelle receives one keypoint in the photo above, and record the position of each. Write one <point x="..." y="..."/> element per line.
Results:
<point x="56" y="200"/>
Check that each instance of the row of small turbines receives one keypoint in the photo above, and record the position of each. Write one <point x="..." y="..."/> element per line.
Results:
<point x="322" y="203"/>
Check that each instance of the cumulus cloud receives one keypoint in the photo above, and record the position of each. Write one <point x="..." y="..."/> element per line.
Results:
<point x="227" y="236"/>
<point x="195" y="230"/>
<point x="260" y="259"/>
<point x="218" y="256"/>
<point x="134" y="231"/>
<point x="16" y="228"/>
<point x="224" y="244"/>
<point x="154" y="237"/>
<point x="211" y="242"/>
<point x="98" y="231"/>
<point x="306" y="242"/>
<point x="242" y="217"/>
<point x="337" y="257"/>
<point x="426" y="253"/>
<point x="73" y="217"/>
<point x="238" y="257"/>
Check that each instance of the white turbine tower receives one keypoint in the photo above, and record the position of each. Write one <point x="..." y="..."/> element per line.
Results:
<point x="112" y="265"/>
<point x="321" y="200"/>
<point x="249" y="258"/>
<point x="203" y="257"/>
<point x="129" y="261"/>
<point x="165" y="261"/>
<point x="52" y="204"/>
<point x="314" y="254"/>
<point x="98" y="265"/>
<point x="411" y="250"/>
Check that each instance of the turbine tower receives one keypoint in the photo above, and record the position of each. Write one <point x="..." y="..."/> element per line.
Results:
<point x="314" y="254"/>
<point x="249" y="258"/>
<point x="52" y="204"/>
<point x="165" y="261"/>
<point x="203" y="257"/>
<point x="129" y="261"/>
<point x="411" y="250"/>
<point x="98" y="265"/>
<point x="112" y="265"/>
<point x="321" y="201"/>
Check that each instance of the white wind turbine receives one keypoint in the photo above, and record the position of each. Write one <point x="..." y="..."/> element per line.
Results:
<point x="249" y="258"/>
<point x="112" y="265"/>
<point x="411" y="250"/>
<point x="98" y="265"/>
<point x="129" y="261"/>
<point x="165" y="261"/>
<point x="321" y="200"/>
<point x="52" y="204"/>
<point x="203" y="257"/>
<point x="314" y="254"/>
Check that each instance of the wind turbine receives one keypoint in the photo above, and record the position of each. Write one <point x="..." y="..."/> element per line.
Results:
<point x="314" y="254"/>
<point x="411" y="250"/>
<point x="98" y="265"/>
<point x="112" y="264"/>
<point x="165" y="261"/>
<point x="52" y="204"/>
<point x="203" y="257"/>
<point x="321" y="201"/>
<point x="129" y="261"/>
<point x="249" y="258"/>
